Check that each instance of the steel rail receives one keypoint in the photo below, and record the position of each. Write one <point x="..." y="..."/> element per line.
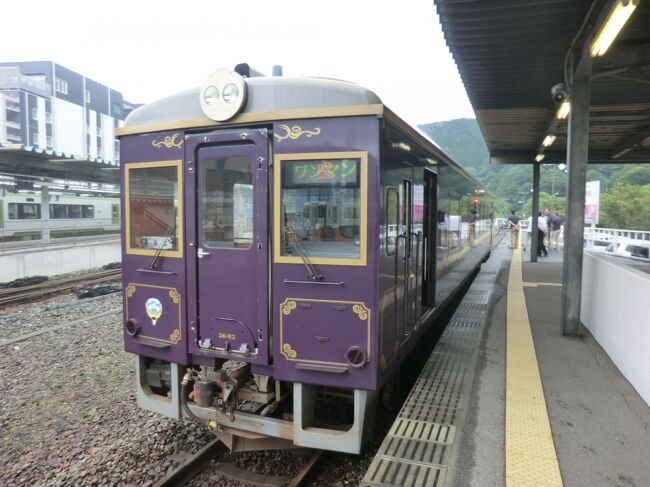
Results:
<point x="26" y="293"/>
<point x="215" y="450"/>
<point x="194" y="465"/>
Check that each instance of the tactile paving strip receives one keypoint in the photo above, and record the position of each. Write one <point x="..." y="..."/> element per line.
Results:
<point x="530" y="452"/>
<point x="416" y="447"/>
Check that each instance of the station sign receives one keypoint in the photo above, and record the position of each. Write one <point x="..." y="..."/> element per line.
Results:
<point x="592" y="202"/>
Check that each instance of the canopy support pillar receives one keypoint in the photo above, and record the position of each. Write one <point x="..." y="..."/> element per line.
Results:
<point x="577" y="149"/>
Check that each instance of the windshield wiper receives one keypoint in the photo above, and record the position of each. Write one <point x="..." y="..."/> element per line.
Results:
<point x="156" y="257"/>
<point x="295" y="239"/>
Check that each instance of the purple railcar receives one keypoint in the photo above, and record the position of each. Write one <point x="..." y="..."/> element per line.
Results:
<point x="285" y="240"/>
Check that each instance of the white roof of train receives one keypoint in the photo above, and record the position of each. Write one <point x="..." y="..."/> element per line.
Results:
<point x="264" y="94"/>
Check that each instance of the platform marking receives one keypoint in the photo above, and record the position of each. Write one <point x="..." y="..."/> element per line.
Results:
<point x="530" y="454"/>
<point x="537" y="284"/>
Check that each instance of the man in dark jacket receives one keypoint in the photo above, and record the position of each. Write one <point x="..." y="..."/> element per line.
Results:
<point x="513" y="221"/>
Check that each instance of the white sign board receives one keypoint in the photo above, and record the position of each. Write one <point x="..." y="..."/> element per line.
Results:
<point x="592" y="202"/>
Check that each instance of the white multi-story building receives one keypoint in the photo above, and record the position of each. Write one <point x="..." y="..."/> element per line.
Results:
<point x="47" y="106"/>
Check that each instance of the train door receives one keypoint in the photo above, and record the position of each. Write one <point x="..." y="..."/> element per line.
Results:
<point x="231" y="244"/>
<point x="115" y="214"/>
<point x="407" y="261"/>
<point x="430" y="238"/>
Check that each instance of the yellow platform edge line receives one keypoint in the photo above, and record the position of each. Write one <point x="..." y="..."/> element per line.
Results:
<point x="531" y="458"/>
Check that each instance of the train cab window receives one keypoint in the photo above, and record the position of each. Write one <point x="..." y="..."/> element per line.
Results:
<point x="24" y="211"/>
<point x="154" y="212"/>
<point x="226" y="198"/>
<point x="321" y="212"/>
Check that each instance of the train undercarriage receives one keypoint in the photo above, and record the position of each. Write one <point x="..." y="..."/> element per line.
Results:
<point x="253" y="412"/>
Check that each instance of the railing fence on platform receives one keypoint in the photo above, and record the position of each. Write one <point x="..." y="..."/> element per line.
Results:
<point x="605" y="236"/>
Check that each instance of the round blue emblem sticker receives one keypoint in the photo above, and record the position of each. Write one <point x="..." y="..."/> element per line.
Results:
<point x="154" y="309"/>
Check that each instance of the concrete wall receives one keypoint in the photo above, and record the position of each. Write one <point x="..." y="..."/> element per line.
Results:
<point x="615" y="308"/>
<point x="57" y="260"/>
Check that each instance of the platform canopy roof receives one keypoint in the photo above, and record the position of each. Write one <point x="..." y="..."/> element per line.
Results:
<point x="511" y="52"/>
<point x="34" y="161"/>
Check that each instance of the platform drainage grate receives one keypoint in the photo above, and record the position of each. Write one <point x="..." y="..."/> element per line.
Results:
<point x="389" y="472"/>
<point x="416" y="448"/>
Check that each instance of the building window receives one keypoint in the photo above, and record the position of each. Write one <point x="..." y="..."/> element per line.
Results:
<point x="87" y="96"/>
<point x="34" y="113"/>
<point x="48" y="140"/>
<point x="48" y="117"/>
<point x="61" y="86"/>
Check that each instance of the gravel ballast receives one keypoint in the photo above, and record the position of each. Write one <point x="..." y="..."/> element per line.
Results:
<point x="68" y="413"/>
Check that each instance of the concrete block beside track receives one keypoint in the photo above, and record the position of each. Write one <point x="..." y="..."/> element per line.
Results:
<point x="56" y="260"/>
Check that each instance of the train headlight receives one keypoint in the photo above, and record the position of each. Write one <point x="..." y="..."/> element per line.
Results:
<point x="223" y="95"/>
<point x="230" y="93"/>
<point x="211" y="95"/>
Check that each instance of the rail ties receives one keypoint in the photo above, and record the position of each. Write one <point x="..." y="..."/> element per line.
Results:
<point x="22" y="294"/>
<point x="194" y="465"/>
<point x="214" y="451"/>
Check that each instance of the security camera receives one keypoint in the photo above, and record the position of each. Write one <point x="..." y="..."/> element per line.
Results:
<point x="560" y="92"/>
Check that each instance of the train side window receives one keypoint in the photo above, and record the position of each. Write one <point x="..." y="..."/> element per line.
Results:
<point x="392" y="220"/>
<point x="58" y="211"/>
<point x="321" y="208"/>
<point x="154" y="208"/>
<point x="24" y="211"/>
<point x="227" y="202"/>
<point x="74" y="211"/>
<point x="88" y="211"/>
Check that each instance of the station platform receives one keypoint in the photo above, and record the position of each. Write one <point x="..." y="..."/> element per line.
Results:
<point x="505" y="399"/>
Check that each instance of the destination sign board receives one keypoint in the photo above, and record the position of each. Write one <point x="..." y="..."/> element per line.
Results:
<point x="338" y="172"/>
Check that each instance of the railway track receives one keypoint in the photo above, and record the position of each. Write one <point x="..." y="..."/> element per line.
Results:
<point x="214" y="451"/>
<point x="17" y="295"/>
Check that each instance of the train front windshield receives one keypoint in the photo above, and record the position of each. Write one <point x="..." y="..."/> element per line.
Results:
<point x="321" y="208"/>
<point x="153" y="213"/>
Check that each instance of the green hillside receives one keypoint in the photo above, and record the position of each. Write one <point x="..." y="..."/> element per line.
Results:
<point x="625" y="188"/>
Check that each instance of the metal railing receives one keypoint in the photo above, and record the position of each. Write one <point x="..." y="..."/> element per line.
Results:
<point x="23" y="234"/>
<point x="605" y="236"/>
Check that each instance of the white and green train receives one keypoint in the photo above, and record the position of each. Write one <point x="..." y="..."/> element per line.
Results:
<point x="68" y="216"/>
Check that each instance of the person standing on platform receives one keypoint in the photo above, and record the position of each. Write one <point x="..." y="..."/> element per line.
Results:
<point x="473" y="220"/>
<point x="528" y="233"/>
<point x="548" y="216"/>
<point x="556" y="226"/>
<point x="541" y="234"/>
<point x="513" y="221"/>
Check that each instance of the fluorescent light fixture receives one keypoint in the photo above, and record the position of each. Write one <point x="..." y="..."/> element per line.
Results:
<point x="563" y="110"/>
<point x="616" y="19"/>
<point x="402" y="145"/>
<point x="430" y="161"/>
<point x="548" y="140"/>
<point x="539" y="157"/>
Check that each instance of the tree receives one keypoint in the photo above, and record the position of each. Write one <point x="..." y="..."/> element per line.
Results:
<point x="624" y="187"/>
<point x="626" y="206"/>
<point x="545" y="201"/>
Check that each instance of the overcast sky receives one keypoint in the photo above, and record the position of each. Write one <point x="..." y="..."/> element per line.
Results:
<point x="149" y="49"/>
